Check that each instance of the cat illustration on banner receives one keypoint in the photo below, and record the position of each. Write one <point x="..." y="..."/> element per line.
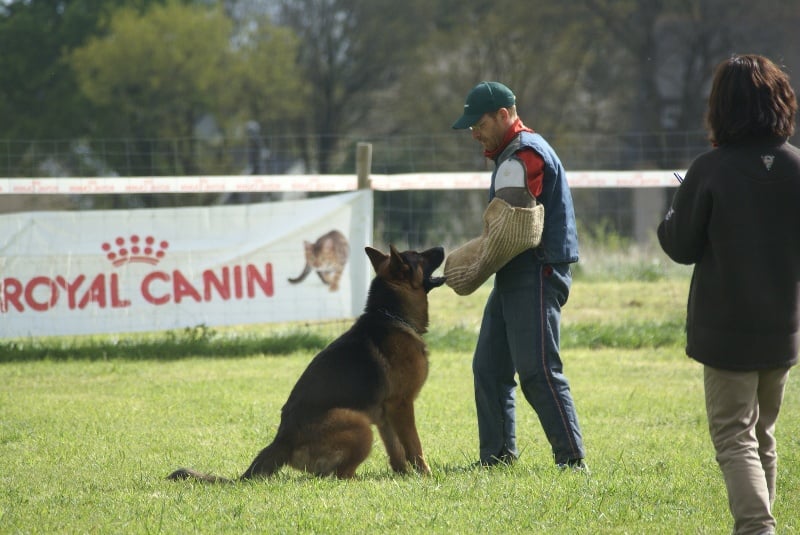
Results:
<point x="327" y="256"/>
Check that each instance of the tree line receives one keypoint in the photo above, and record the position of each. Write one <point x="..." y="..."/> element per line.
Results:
<point x="162" y="77"/>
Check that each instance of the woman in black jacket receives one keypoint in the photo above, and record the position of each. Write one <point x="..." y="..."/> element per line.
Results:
<point x="736" y="217"/>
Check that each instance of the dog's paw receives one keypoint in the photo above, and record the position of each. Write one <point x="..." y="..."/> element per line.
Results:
<point x="421" y="466"/>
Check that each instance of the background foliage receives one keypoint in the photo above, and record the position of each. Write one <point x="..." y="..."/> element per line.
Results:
<point x="325" y="70"/>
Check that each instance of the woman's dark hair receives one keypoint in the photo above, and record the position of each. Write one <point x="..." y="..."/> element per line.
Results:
<point x="750" y="99"/>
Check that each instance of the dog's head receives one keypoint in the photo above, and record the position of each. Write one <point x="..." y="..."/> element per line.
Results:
<point x="402" y="282"/>
<point x="412" y="267"/>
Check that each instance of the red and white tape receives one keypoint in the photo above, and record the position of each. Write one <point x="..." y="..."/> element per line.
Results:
<point x="316" y="183"/>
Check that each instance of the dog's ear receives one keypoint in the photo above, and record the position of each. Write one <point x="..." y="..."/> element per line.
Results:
<point x="397" y="263"/>
<point x="395" y="254"/>
<point x="375" y="257"/>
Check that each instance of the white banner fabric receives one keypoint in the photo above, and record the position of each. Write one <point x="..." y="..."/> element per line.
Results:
<point x="114" y="271"/>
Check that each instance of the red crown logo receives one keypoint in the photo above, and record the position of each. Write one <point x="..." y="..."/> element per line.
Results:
<point x="135" y="249"/>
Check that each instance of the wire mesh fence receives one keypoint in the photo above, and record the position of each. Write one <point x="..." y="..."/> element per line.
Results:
<point x="277" y="154"/>
<point x="406" y="218"/>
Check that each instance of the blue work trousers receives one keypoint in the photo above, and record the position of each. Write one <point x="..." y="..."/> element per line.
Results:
<point x="519" y="335"/>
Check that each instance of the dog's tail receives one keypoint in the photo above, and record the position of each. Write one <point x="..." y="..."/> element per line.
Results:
<point x="186" y="473"/>
<point x="266" y="463"/>
<point x="269" y="460"/>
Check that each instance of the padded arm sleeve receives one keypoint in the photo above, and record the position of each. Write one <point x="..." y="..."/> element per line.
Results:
<point x="507" y="231"/>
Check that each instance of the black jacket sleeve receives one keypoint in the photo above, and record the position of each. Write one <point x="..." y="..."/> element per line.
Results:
<point x="683" y="234"/>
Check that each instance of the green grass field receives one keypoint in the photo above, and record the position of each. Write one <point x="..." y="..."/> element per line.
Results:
<point x="90" y="427"/>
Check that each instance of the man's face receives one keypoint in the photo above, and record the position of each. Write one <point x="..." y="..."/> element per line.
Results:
<point x="489" y="130"/>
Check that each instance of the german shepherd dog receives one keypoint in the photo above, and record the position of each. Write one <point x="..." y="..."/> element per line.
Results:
<point x="369" y="375"/>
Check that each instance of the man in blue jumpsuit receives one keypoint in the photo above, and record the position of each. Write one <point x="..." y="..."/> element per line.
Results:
<point x="529" y="242"/>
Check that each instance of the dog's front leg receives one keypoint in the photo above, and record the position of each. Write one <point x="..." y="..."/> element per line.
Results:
<point x="397" y="455"/>
<point x="402" y="420"/>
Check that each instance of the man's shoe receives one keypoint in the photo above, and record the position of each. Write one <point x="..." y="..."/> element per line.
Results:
<point x="504" y="459"/>
<point x="574" y="465"/>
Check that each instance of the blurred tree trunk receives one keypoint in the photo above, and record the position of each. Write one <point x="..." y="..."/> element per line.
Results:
<point x="673" y="46"/>
<point x="349" y="50"/>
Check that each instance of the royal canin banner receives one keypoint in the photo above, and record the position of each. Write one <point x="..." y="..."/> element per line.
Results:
<point x="114" y="271"/>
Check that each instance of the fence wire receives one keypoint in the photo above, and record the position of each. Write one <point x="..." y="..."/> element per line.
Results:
<point x="276" y="154"/>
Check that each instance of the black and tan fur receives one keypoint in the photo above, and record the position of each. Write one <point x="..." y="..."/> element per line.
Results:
<point x="370" y="375"/>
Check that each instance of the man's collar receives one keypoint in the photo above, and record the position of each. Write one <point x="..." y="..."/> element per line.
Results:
<point x="515" y="128"/>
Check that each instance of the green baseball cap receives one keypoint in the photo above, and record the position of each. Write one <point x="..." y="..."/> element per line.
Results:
<point x="484" y="98"/>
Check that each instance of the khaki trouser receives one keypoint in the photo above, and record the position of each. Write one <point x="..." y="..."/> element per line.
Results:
<point x="742" y="408"/>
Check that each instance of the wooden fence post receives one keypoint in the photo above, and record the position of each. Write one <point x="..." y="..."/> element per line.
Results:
<point x="363" y="164"/>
